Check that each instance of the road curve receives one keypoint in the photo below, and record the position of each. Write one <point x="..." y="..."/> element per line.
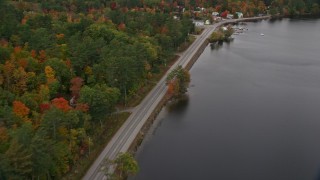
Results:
<point x="122" y="140"/>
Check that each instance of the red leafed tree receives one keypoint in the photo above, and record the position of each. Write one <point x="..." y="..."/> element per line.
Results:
<point x="20" y="109"/>
<point x="44" y="107"/>
<point x="61" y="103"/>
<point x="224" y="14"/>
<point x="68" y="63"/>
<point x="82" y="107"/>
<point x="76" y="84"/>
<point x="24" y="20"/>
<point x="113" y="5"/>
<point x="33" y="53"/>
<point x="122" y="27"/>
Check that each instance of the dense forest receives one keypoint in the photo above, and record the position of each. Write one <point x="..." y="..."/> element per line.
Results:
<point x="63" y="68"/>
<point x="290" y="8"/>
<point x="65" y="65"/>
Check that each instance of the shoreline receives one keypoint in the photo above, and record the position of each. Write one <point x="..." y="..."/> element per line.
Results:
<point x="150" y="121"/>
<point x="131" y="133"/>
<point x="201" y="111"/>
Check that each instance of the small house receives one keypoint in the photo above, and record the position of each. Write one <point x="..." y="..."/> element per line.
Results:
<point x="215" y="14"/>
<point x="229" y="16"/>
<point x="239" y="14"/>
<point x="198" y="23"/>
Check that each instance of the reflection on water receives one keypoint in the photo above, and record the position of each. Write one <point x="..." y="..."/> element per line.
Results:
<point x="219" y="44"/>
<point x="252" y="113"/>
<point x="178" y="105"/>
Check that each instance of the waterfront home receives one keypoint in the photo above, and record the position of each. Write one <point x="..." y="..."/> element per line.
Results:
<point x="229" y="16"/>
<point x="215" y="14"/>
<point x="239" y="15"/>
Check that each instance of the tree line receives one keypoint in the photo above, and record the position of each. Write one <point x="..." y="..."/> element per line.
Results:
<point x="65" y="65"/>
<point x="64" y="69"/>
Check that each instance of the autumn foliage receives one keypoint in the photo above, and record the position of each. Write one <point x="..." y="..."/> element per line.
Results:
<point x="122" y="27"/>
<point x="178" y="82"/>
<point x="64" y="65"/>
<point x="76" y="84"/>
<point x="21" y="110"/>
<point x="44" y="107"/>
<point x="113" y="5"/>
<point x="224" y="14"/>
<point x="61" y="104"/>
<point x="170" y="88"/>
<point x="82" y="107"/>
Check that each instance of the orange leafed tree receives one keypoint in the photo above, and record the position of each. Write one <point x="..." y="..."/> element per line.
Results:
<point x="170" y="88"/>
<point x="20" y="109"/>
<point x="23" y="63"/>
<point x="33" y="53"/>
<point x="61" y="103"/>
<point x="17" y="50"/>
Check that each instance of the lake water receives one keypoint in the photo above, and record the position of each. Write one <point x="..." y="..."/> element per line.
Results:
<point x="253" y="111"/>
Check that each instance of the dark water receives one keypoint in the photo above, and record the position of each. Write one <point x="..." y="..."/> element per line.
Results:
<point x="253" y="111"/>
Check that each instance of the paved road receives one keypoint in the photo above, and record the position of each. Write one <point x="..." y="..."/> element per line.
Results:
<point x="130" y="129"/>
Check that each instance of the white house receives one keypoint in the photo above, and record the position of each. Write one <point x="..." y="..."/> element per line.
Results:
<point x="229" y="16"/>
<point x="239" y="14"/>
<point x="215" y="14"/>
<point x="198" y="23"/>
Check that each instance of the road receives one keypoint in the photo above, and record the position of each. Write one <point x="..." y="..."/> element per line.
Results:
<point x="130" y="129"/>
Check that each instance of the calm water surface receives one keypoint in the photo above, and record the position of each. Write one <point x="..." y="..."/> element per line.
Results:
<point x="253" y="111"/>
